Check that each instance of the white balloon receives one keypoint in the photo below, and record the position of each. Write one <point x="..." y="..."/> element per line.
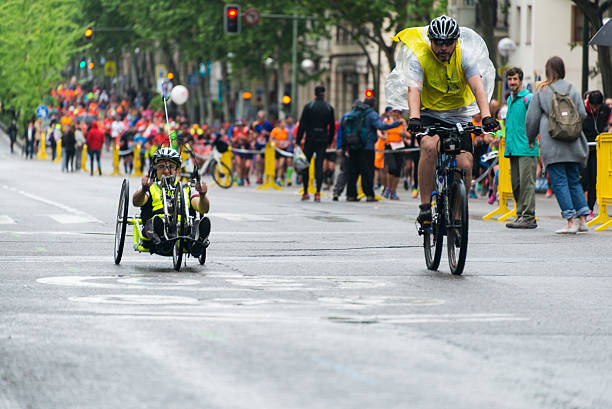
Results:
<point x="179" y="94"/>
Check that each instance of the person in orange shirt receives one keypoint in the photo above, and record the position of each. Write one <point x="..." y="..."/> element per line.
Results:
<point x="394" y="161"/>
<point x="280" y="136"/>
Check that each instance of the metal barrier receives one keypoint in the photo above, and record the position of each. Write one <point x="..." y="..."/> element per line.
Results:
<point x="42" y="148"/>
<point x="504" y="188"/>
<point x="269" y="168"/>
<point x="604" y="181"/>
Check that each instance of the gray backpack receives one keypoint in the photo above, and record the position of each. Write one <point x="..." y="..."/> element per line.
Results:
<point x="564" y="122"/>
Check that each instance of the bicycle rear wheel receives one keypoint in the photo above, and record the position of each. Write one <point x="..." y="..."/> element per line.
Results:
<point x="433" y="238"/>
<point x="121" y="221"/>
<point x="178" y="226"/>
<point x="457" y="228"/>
<point x="222" y="175"/>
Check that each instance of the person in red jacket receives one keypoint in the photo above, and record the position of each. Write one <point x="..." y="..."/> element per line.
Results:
<point x="95" y="141"/>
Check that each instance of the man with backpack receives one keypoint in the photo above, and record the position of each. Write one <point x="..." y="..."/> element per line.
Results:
<point x="523" y="156"/>
<point x="358" y="138"/>
<point x="317" y="122"/>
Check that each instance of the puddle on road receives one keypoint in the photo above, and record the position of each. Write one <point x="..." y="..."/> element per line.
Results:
<point x="331" y="219"/>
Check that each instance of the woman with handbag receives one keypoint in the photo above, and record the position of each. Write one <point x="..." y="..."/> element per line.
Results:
<point x="556" y="113"/>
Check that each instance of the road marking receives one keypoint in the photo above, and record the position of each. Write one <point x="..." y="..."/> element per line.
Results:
<point x="132" y="299"/>
<point x="51" y="203"/>
<point x="425" y="318"/>
<point x="73" y="218"/>
<point x="363" y="302"/>
<point x="4" y="219"/>
<point x="242" y="217"/>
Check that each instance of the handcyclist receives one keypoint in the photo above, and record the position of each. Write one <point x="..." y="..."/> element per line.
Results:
<point x="167" y="163"/>
<point x="440" y="72"/>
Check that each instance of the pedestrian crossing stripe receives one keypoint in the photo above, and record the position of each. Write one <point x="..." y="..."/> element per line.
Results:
<point x="4" y="219"/>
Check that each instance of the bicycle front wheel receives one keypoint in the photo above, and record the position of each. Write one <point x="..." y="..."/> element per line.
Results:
<point x="121" y="220"/>
<point x="178" y="226"/>
<point x="222" y="175"/>
<point x="457" y="227"/>
<point x="433" y="238"/>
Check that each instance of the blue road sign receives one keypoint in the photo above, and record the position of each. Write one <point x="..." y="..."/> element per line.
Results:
<point x="42" y="111"/>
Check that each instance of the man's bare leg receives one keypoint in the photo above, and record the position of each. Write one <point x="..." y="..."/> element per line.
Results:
<point x="427" y="166"/>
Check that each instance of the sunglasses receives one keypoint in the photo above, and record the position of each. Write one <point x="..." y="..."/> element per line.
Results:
<point x="162" y="166"/>
<point x="443" y="42"/>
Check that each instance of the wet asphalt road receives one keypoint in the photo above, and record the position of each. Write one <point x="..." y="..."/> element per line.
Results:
<point x="300" y="305"/>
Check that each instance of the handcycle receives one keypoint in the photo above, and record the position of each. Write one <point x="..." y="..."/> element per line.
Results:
<point x="449" y="204"/>
<point x="179" y="223"/>
<point x="220" y="172"/>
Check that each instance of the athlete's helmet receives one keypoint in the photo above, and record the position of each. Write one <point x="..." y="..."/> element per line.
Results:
<point x="443" y="28"/>
<point x="167" y="154"/>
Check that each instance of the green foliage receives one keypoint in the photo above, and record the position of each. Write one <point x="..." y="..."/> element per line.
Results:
<point x="37" y="39"/>
<point x="156" y="103"/>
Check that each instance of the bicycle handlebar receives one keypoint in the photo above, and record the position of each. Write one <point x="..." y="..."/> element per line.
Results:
<point x="459" y="128"/>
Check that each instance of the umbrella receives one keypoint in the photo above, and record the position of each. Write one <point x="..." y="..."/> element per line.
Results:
<point x="603" y="36"/>
<point x="87" y="118"/>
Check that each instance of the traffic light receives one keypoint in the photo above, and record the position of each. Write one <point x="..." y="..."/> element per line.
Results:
<point x="88" y="33"/>
<point x="83" y="63"/>
<point x="170" y="76"/>
<point x="247" y="95"/>
<point x="369" y="93"/>
<point x="90" y="65"/>
<point x="286" y="99"/>
<point x="231" y="19"/>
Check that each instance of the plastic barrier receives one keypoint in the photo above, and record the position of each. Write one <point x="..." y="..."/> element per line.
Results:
<point x="311" y="179"/>
<point x="226" y="157"/>
<point x="58" y="150"/>
<point x="269" y="168"/>
<point x="116" y="161"/>
<point x="361" y="195"/>
<point x="604" y="181"/>
<point x="137" y="164"/>
<point x="504" y="188"/>
<point x="42" y="148"/>
<point x="84" y="158"/>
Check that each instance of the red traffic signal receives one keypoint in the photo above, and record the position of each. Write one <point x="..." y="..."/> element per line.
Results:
<point x="231" y="19"/>
<point x="88" y="33"/>
<point x="369" y="93"/>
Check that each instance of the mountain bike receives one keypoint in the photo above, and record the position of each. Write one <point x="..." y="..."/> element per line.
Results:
<point x="449" y="204"/>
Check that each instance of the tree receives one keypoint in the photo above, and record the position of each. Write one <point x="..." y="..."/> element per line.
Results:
<point x="37" y="40"/>
<point x="594" y="10"/>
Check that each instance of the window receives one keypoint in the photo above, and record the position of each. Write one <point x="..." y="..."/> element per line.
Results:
<point x="577" y="25"/>
<point x="528" y="28"/>
<point x="517" y="25"/>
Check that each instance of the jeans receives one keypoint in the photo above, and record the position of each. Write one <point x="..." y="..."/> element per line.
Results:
<point x="94" y="154"/>
<point x="565" y="181"/>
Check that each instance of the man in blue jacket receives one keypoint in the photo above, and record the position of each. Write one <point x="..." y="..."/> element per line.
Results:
<point x="361" y="159"/>
<point x="523" y="156"/>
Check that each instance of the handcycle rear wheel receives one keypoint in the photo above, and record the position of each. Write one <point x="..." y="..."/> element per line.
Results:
<point x="433" y="239"/>
<point x="457" y="228"/>
<point x="202" y="257"/>
<point x="121" y="221"/>
<point x="222" y="175"/>
<point x="178" y="226"/>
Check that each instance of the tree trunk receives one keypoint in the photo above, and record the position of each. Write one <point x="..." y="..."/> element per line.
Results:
<point x="224" y="91"/>
<point x="486" y="13"/>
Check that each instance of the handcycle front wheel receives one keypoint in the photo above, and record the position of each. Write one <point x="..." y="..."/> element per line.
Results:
<point x="433" y="238"/>
<point x="178" y="226"/>
<point x="457" y="228"/>
<point x="121" y="221"/>
<point x="222" y="175"/>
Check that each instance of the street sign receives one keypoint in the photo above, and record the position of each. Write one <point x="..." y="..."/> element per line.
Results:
<point x="161" y="70"/>
<point x="42" y="112"/>
<point x="110" y="69"/>
<point x="252" y="17"/>
<point x="192" y="80"/>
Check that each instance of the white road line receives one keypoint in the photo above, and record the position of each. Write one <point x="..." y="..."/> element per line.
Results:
<point x="51" y="203"/>
<point x="73" y="218"/>
<point x="242" y="217"/>
<point x="4" y="219"/>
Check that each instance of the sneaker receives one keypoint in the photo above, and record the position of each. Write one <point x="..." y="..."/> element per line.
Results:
<point x="371" y="199"/>
<point x="393" y="196"/>
<point x="522" y="223"/>
<point x="259" y="181"/>
<point x="317" y="197"/>
<point x="386" y="193"/>
<point x="352" y="199"/>
<point x="406" y="185"/>
<point x="278" y="182"/>
<point x="424" y="217"/>
<point x="590" y="216"/>
<point x="473" y="194"/>
<point x="491" y="199"/>
<point x="415" y="192"/>
<point x="335" y="198"/>
<point x="201" y="238"/>
<point x="240" y="182"/>
<point x="548" y="193"/>
<point x="305" y="197"/>
<point x="248" y="182"/>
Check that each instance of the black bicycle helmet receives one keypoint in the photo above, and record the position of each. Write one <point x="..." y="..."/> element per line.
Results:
<point x="167" y="154"/>
<point x="443" y="28"/>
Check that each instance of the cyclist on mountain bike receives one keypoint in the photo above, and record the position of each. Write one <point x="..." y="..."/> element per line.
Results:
<point x="167" y="163"/>
<point x="440" y="72"/>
